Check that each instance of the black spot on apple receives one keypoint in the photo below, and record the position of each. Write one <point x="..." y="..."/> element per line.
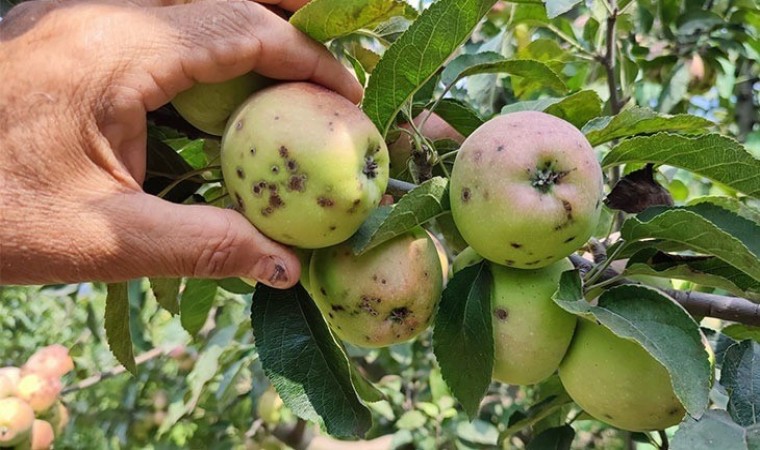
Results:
<point x="239" y="200"/>
<point x="335" y="307"/>
<point x="509" y="262"/>
<point x="399" y="314"/>
<point x="355" y="205"/>
<point x="501" y="313"/>
<point x="275" y="201"/>
<point x="515" y="245"/>
<point x="272" y="187"/>
<point x="240" y="173"/>
<point x="533" y="263"/>
<point x="252" y="151"/>
<point x="292" y="165"/>
<point x="283" y="151"/>
<point x="370" y="167"/>
<point x="466" y="194"/>
<point x="275" y="169"/>
<point x="333" y="227"/>
<point x="570" y="239"/>
<point x="325" y="202"/>
<point x="266" y="211"/>
<point x="297" y="183"/>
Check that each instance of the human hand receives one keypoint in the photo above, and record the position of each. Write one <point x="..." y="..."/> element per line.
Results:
<point x="78" y="79"/>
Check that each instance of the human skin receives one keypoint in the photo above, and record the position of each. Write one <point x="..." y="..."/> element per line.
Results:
<point x="78" y="80"/>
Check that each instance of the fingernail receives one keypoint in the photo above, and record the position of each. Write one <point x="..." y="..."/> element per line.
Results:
<point x="271" y="270"/>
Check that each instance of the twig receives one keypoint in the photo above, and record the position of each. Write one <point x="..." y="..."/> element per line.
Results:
<point x="398" y="188"/>
<point x="664" y="445"/>
<point x="117" y="370"/>
<point x="735" y="309"/>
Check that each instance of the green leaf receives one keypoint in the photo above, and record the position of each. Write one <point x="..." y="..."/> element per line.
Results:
<point x="675" y="88"/>
<point x="163" y="166"/>
<point x="740" y="332"/>
<point x="166" y="291"/>
<point x="197" y="298"/>
<point x="556" y="7"/>
<point x="536" y="72"/>
<point x="304" y="362"/>
<point x="714" y="430"/>
<point x="416" y="207"/>
<point x="635" y="121"/>
<point x="577" y="108"/>
<point x="705" y="228"/>
<point x="462" y="336"/>
<point x="235" y="285"/>
<point x="478" y="432"/>
<point x="117" y="325"/>
<point x="730" y="203"/>
<point x="459" y="115"/>
<point x="417" y="54"/>
<point x="661" y="326"/>
<point x="713" y="156"/>
<point x="559" y="438"/>
<point x="536" y="413"/>
<point x="702" y="270"/>
<point x="323" y="20"/>
<point x="740" y="375"/>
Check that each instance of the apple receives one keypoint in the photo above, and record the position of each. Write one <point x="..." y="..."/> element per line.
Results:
<point x="304" y="164"/>
<point x="208" y="106"/>
<point x="526" y="189"/>
<point x="385" y="296"/>
<point x="617" y="381"/>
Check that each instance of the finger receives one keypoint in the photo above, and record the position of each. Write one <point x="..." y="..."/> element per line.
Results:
<point x="200" y="241"/>
<point x="215" y="41"/>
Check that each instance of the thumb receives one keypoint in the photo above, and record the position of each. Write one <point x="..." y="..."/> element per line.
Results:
<point x="200" y="241"/>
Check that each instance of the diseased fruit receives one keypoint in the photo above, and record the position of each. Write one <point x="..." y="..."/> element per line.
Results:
<point x="616" y="381"/>
<point x="208" y="106"/>
<point x="304" y="164"/>
<point x="442" y="256"/>
<point x="40" y="392"/>
<point x="42" y="435"/>
<point x="385" y="296"/>
<point x="16" y="420"/>
<point x="531" y="333"/>
<point x="526" y="189"/>
<point x="52" y="361"/>
<point x="434" y="129"/>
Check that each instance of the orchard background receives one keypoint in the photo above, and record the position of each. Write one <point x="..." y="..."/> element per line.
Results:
<point x="668" y="91"/>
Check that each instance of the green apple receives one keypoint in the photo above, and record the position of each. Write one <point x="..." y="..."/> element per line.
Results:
<point x="385" y="296"/>
<point x="526" y="189"/>
<point x="531" y="333"/>
<point x="616" y="381"/>
<point x="304" y="164"/>
<point x="208" y="106"/>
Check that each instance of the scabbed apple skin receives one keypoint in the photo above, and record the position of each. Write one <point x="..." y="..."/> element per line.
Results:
<point x="208" y="106"/>
<point x="304" y="164"/>
<point x="616" y="381"/>
<point x="526" y="189"/>
<point x="385" y="296"/>
<point x="531" y="333"/>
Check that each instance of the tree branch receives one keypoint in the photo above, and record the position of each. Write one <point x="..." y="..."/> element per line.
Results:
<point x="117" y="370"/>
<point x="699" y="304"/>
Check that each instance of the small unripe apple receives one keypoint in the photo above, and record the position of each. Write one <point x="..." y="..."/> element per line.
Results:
<point x="531" y="333"/>
<point x="208" y="106"/>
<point x="42" y="435"/>
<point x="40" y="392"/>
<point x="616" y="381"/>
<point x="434" y="129"/>
<point x="9" y="377"/>
<point x="16" y="421"/>
<point x="52" y="361"/>
<point x="304" y="164"/>
<point x="383" y="297"/>
<point x="526" y="189"/>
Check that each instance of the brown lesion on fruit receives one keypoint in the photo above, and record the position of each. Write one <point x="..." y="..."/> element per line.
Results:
<point x="334" y="307"/>
<point x="515" y="245"/>
<point x="355" y="205"/>
<point x="371" y="167"/>
<point x="323" y="291"/>
<point x="272" y="187"/>
<point x="570" y="239"/>
<point x="258" y="188"/>
<point x="501" y="313"/>
<point x="568" y="215"/>
<point x="366" y="304"/>
<point x="331" y="315"/>
<point x="239" y="199"/>
<point x="509" y="262"/>
<point x="252" y="151"/>
<point x="283" y="151"/>
<point x="291" y="165"/>
<point x="608" y="416"/>
<point x="267" y="211"/>
<point x="466" y="194"/>
<point x="275" y="169"/>
<point x="398" y="315"/>
<point x="549" y="258"/>
<point x="239" y="172"/>
<point x="275" y="201"/>
<point x="297" y="183"/>
<point x="325" y="202"/>
<point x="533" y="263"/>
<point x="333" y="227"/>
<point x="674" y="411"/>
